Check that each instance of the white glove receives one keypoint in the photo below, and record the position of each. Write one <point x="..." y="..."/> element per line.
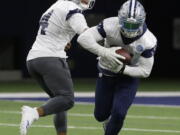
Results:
<point x="104" y="63"/>
<point x="111" y="56"/>
<point x="116" y="68"/>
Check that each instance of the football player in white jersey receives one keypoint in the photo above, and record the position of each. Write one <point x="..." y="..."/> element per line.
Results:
<point x="46" y="61"/>
<point x="117" y="84"/>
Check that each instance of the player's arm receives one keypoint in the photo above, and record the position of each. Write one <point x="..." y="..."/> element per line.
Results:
<point x="145" y="64"/>
<point x="143" y="70"/>
<point x="89" y="40"/>
<point x="77" y="21"/>
<point x="90" y="37"/>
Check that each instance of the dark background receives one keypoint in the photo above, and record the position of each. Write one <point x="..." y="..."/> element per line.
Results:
<point x="19" y="25"/>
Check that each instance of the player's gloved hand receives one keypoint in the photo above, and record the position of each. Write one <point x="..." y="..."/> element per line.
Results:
<point x="110" y="55"/>
<point x="105" y="64"/>
<point x="116" y="68"/>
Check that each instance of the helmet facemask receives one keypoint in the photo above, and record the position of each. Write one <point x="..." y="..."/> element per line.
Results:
<point x="131" y="26"/>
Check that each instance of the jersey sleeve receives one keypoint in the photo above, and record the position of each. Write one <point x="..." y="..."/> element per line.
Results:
<point x="100" y="29"/>
<point x="73" y="12"/>
<point x="107" y="27"/>
<point x="143" y="70"/>
<point x="75" y="18"/>
<point x="78" y="23"/>
<point x="150" y="45"/>
<point x="149" y="52"/>
<point x="89" y="40"/>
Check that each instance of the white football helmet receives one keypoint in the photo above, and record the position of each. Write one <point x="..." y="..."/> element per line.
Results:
<point x="85" y="4"/>
<point x="131" y="17"/>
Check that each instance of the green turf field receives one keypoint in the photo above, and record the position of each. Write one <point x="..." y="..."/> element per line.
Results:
<point x="163" y="84"/>
<point x="141" y="120"/>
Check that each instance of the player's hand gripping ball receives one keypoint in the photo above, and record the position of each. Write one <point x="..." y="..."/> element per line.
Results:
<point x="126" y="54"/>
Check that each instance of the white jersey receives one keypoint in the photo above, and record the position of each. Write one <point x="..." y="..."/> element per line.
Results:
<point x="142" y="47"/>
<point x="58" y="25"/>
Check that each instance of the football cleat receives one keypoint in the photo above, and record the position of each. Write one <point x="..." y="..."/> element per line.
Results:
<point x="29" y="115"/>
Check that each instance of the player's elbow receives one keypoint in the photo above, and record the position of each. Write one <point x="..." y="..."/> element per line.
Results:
<point x="84" y="39"/>
<point x="145" y="73"/>
<point x="81" y="39"/>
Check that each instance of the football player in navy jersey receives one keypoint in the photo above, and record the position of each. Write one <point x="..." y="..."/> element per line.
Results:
<point x="46" y="61"/>
<point x="117" y="84"/>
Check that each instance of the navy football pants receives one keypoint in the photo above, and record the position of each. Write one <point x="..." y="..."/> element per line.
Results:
<point x="113" y="97"/>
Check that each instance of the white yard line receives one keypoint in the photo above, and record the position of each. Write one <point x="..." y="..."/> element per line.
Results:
<point x="10" y="112"/>
<point x="156" y="106"/>
<point x="152" y="117"/>
<point x="86" y="103"/>
<point x="91" y="115"/>
<point x="87" y="94"/>
<point x="130" y="116"/>
<point x="158" y="94"/>
<point x="151" y="130"/>
<point x="48" y="126"/>
<point x="95" y="128"/>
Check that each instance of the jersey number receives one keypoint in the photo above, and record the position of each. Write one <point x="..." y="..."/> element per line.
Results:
<point x="44" y="22"/>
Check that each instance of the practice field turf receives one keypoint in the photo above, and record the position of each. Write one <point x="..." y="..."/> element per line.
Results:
<point x="141" y="120"/>
<point x="85" y="84"/>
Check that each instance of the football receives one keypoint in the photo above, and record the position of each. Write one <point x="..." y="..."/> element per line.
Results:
<point x="126" y="54"/>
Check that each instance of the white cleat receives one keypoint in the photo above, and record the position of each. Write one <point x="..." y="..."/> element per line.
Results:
<point x="29" y="115"/>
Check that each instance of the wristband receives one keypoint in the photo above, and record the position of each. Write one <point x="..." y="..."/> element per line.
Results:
<point x="122" y="69"/>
